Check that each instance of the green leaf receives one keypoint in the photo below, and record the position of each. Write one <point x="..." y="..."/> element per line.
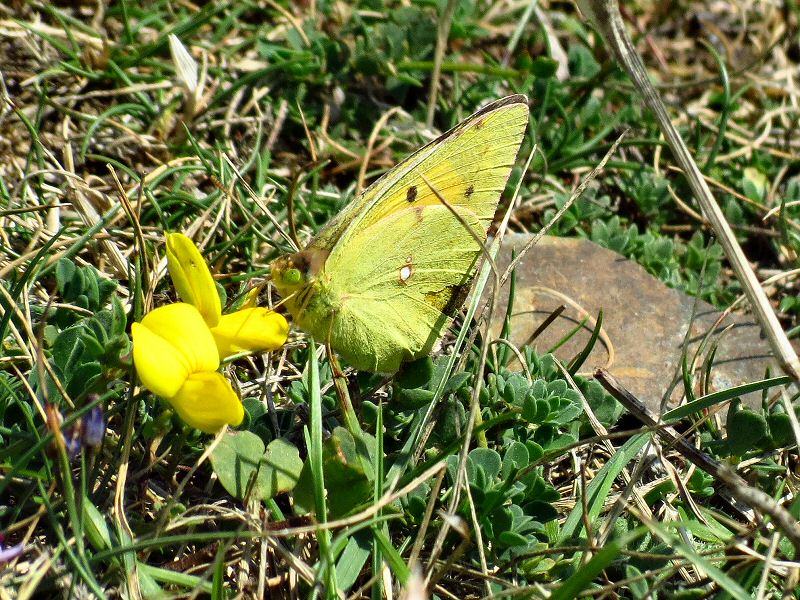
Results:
<point x="550" y="402"/>
<point x="539" y="489"/>
<point x="701" y="484"/>
<point x="542" y="511"/>
<point x="780" y="429"/>
<point x="450" y="424"/>
<point x="65" y="270"/>
<point x="346" y="483"/>
<point x="84" y="378"/>
<point x="715" y="574"/>
<point x="755" y="184"/>
<point x="531" y="411"/>
<point x="147" y="584"/>
<point x="218" y="581"/>
<point x="452" y="468"/>
<point x="392" y="557"/>
<point x="170" y="577"/>
<point x="723" y="395"/>
<point x="457" y="381"/>
<point x="544" y="67"/>
<point x="95" y="526"/>
<point x="516" y="457"/>
<point x="745" y="428"/>
<point x="535" y="451"/>
<point x="415" y="374"/>
<point x="75" y="287"/>
<point x="514" y="388"/>
<point x="581" y="62"/>
<point x="283" y="466"/>
<point x="92" y="290"/>
<point x="68" y="348"/>
<point x="561" y="441"/>
<point x="600" y="486"/>
<point x="412" y="398"/>
<point x="638" y="586"/>
<point x="353" y="559"/>
<point x="106" y="287"/>
<point x="605" y="407"/>
<point x="241" y="458"/>
<point x="254" y="408"/>
<point x="488" y="460"/>
<point x="509" y="539"/>
<point x="235" y="460"/>
<point x="98" y="327"/>
<point x="94" y="348"/>
<point x="582" y="578"/>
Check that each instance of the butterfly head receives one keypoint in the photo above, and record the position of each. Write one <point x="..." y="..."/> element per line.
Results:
<point x="295" y="272"/>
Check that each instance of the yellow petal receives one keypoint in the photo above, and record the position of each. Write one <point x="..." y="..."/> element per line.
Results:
<point x="250" y="330"/>
<point x="161" y="367"/>
<point x="191" y="277"/>
<point x="207" y="402"/>
<point x="181" y="327"/>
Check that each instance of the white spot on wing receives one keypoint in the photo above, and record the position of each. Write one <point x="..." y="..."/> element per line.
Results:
<point x="406" y="271"/>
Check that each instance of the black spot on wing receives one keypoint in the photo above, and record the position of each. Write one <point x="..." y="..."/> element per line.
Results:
<point x="451" y="298"/>
<point x="470" y="190"/>
<point x="411" y="194"/>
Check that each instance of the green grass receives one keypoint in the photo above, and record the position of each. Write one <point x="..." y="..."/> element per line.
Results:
<point x="100" y="155"/>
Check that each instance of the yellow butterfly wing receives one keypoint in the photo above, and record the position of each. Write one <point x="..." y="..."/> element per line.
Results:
<point x="469" y="165"/>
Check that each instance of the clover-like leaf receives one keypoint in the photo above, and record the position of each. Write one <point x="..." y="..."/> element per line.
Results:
<point x="516" y="457"/>
<point x="241" y="460"/>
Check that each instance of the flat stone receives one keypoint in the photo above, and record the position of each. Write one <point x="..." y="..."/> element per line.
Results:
<point x="645" y="321"/>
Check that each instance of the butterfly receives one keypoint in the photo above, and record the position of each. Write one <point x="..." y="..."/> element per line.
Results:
<point x="381" y="281"/>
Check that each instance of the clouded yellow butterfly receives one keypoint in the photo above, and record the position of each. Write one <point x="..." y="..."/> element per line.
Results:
<point x="381" y="281"/>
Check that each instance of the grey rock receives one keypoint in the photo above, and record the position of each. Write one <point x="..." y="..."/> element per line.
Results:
<point x="646" y="322"/>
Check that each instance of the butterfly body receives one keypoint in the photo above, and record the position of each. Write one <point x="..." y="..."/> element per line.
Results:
<point x="381" y="281"/>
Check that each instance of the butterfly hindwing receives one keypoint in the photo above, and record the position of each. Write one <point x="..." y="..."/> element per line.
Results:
<point x="412" y="264"/>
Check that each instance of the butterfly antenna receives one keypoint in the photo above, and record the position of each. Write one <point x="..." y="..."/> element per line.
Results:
<point x="290" y="208"/>
<point x="285" y="299"/>
<point x="282" y="302"/>
<point x="373" y="138"/>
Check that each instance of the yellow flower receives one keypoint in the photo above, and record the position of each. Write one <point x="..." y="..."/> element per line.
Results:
<point x="252" y="329"/>
<point x="191" y="277"/>
<point x="177" y="348"/>
<point x="177" y="359"/>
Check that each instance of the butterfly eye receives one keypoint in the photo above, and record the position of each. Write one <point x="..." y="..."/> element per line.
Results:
<point x="292" y="276"/>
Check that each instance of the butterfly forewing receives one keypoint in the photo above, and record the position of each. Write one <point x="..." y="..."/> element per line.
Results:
<point x="469" y="165"/>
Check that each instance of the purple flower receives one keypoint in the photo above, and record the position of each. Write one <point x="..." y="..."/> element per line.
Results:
<point x="94" y="427"/>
